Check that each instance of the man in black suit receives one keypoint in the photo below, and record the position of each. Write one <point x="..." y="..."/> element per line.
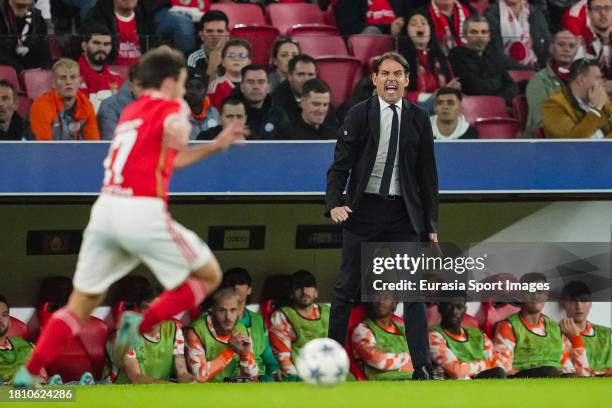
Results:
<point x="386" y="145"/>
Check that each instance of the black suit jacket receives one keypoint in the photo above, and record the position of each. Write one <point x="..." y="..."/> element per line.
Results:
<point x="356" y="153"/>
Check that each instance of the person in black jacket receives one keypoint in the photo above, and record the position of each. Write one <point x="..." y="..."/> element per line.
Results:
<point x="386" y="147"/>
<point x="127" y="47"/>
<point x="264" y="119"/>
<point x="315" y="103"/>
<point x="478" y="66"/>
<point x="287" y="96"/>
<point x="23" y="36"/>
<point x="12" y="126"/>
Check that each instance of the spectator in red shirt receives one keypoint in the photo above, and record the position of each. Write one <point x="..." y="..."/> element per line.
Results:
<point x="235" y="55"/>
<point x="430" y="68"/>
<point x="98" y="82"/>
<point x="372" y="16"/>
<point x="132" y="30"/>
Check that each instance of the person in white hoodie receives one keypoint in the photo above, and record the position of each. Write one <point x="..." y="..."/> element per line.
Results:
<point x="448" y="123"/>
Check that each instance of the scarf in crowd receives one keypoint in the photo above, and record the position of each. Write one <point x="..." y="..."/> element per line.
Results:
<point x="443" y="32"/>
<point x="379" y="13"/>
<point x="562" y="73"/>
<point x="515" y="34"/>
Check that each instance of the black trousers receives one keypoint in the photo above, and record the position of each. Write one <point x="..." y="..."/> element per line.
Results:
<point x="376" y="220"/>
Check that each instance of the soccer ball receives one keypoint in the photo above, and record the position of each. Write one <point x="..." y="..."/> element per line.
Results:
<point x="323" y="362"/>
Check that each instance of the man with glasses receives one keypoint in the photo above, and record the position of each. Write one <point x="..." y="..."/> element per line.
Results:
<point x="213" y="32"/>
<point x="235" y="55"/>
<point x="593" y="25"/>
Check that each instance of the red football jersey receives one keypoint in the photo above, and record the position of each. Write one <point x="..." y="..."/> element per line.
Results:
<point x="137" y="163"/>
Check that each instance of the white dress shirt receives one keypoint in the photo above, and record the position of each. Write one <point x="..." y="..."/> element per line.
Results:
<point x="386" y="119"/>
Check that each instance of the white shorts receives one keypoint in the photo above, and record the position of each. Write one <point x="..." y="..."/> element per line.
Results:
<point x="124" y="231"/>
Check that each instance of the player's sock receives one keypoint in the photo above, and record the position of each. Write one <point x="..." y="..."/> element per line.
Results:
<point x="60" y="328"/>
<point x="189" y="295"/>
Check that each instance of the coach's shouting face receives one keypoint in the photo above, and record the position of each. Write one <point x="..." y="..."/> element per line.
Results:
<point x="391" y="81"/>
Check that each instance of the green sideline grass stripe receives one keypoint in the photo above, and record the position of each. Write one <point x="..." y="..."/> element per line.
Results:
<point x="574" y="393"/>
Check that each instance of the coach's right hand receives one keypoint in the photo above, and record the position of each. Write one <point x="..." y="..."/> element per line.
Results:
<point x="340" y="214"/>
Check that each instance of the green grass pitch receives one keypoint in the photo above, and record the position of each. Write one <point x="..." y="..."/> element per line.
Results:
<point x="575" y="393"/>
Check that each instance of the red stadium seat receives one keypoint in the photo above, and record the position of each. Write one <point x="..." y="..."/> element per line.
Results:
<point x="521" y="77"/>
<point x="82" y="353"/>
<point x="24" y="106"/>
<point x="313" y="29"/>
<point x="364" y="47"/>
<point x="519" y="106"/>
<point x="266" y="308"/>
<point x="317" y="45"/>
<point x="284" y="16"/>
<point x="357" y="315"/>
<point x="8" y="73"/>
<point x="490" y="313"/>
<point x="481" y="107"/>
<point x="330" y="16"/>
<point x="261" y="39"/>
<point x="18" y="329"/>
<point x="539" y="133"/>
<point x="36" y="81"/>
<point x="498" y="128"/>
<point x="248" y="14"/>
<point x="341" y="74"/>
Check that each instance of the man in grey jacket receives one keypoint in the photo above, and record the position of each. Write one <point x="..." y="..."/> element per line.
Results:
<point x="111" y="108"/>
<point x="547" y="81"/>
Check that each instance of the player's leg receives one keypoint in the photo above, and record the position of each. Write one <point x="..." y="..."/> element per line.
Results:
<point x="102" y="261"/>
<point x="186" y="296"/>
<point x="63" y="325"/>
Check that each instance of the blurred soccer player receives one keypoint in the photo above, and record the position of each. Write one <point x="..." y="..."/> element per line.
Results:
<point x="130" y="222"/>
<point x="463" y="352"/>
<point x="576" y="301"/>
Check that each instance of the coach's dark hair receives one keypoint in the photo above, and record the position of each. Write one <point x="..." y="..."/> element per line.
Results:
<point x="280" y="41"/>
<point x="303" y="58"/>
<point x="447" y="90"/>
<point x="213" y="15"/>
<point x="580" y="67"/>
<point x="3" y="300"/>
<point x="231" y="101"/>
<point x="252" y="67"/>
<point x="315" y="85"/>
<point x="236" y="276"/>
<point x="91" y="29"/>
<point x="6" y="84"/>
<point x="236" y="42"/>
<point x="391" y="56"/>
<point x="159" y="64"/>
<point x="576" y="291"/>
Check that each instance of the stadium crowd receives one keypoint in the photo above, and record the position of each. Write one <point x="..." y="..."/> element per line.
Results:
<point x="224" y="340"/>
<point x="518" y="68"/>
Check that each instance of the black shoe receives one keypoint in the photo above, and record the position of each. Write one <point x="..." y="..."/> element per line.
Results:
<point x="427" y="372"/>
